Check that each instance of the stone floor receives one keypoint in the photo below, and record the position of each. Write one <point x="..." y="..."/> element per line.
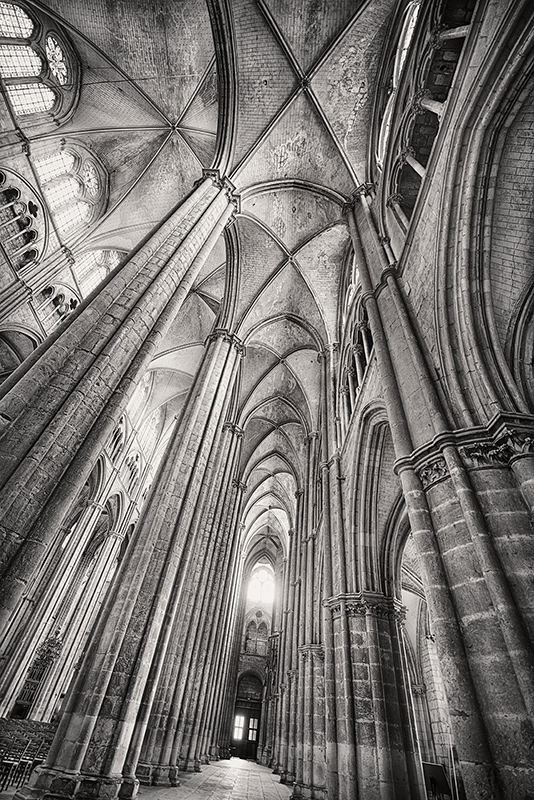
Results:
<point x="235" y="779"/>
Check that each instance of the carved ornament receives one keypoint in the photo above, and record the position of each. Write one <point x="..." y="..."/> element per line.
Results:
<point x="500" y="450"/>
<point x="433" y="471"/>
<point x="362" y="604"/>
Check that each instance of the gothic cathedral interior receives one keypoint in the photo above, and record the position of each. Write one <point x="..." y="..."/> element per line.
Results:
<point x="267" y="395"/>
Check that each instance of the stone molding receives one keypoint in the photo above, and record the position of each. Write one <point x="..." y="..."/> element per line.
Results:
<point x="363" y="190"/>
<point x="224" y="183"/>
<point x="507" y="437"/>
<point x="234" y="428"/>
<point x="226" y="336"/>
<point x="311" y="650"/>
<point x="418" y="689"/>
<point x="396" y="197"/>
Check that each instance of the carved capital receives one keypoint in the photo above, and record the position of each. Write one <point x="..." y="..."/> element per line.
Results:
<point x="499" y="451"/>
<point x="433" y="471"/>
<point x="418" y="689"/>
<point x="435" y="36"/>
<point x="396" y="197"/>
<point x="355" y="605"/>
<point x="408" y="151"/>
<point x="416" y="105"/>
<point x="363" y="190"/>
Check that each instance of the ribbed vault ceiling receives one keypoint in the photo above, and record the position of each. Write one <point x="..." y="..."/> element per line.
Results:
<point x="306" y="74"/>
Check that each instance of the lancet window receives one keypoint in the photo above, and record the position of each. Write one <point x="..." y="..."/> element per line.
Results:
<point x="356" y="357"/>
<point x="132" y="471"/>
<point x="37" y="65"/>
<point x="261" y="586"/>
<point x="117" y="440"/>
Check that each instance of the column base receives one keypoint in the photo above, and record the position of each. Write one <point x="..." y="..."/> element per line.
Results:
<point x="287" y="778"/>
<point x="191" y="765"/>
<point x="307" y="791"/>
<point x="149" y="775"/>
<point x="45" y="783"/>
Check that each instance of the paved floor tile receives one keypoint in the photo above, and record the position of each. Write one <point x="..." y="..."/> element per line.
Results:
<point x="235" y="779"/>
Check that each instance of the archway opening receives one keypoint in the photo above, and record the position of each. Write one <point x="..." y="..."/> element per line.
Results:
<point x="253" y="656"/>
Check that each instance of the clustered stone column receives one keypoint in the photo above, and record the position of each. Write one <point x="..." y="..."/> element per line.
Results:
<point x="57" y="411"/>
<point x="178" y="728"/>
<point x="468" y="497"/>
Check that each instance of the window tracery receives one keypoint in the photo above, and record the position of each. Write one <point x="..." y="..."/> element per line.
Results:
<point x="20" y="234"/>
<point x="356" y="357"/>
<point x="54" y="304"/>
<point x="38" y="68"/>
<point x="117" y="440"/>
<point x="74" y="185"/>
<point x="132" y="471"/>
<point x="261" y="586"/>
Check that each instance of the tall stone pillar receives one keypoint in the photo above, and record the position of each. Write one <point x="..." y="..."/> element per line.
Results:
<point x="196" y="640"/>
<point x="34" y="616"/>
<point x="216" y="626"/>
<point x="297" y="630"/>
<point x="96" y="747"/>
<point x="158" y="765"/>
<point x="58" y="409"/>
<point x="310" y="774"/>
<point x="221" y="698"/>
<point x="285" y="658"/>
<point x="388" y="764"/>
<point x="340" y="742"/>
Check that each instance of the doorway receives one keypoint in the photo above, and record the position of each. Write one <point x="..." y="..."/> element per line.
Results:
<point x="246" y="731"/>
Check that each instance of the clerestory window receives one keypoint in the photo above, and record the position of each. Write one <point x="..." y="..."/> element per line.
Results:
<point x="38" y="68"/>
<point x="74" y="185"/>
<point x="92" y="267"/>
<point x="405" y="40"/>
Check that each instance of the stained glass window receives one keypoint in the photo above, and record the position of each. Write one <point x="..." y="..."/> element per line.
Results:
<point x="30" y="98"/>
<point x="72" y="188"/>
<point x="261" y="587"/>
<point x="90" y="178"/>
<point x="56" y="60"/>
<point x="14" y="22"/>
<point x="73" y="215"/>
<point x="19" y="61"/>
<point x="53" y="165"/>
<point x="61" y="191"/>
